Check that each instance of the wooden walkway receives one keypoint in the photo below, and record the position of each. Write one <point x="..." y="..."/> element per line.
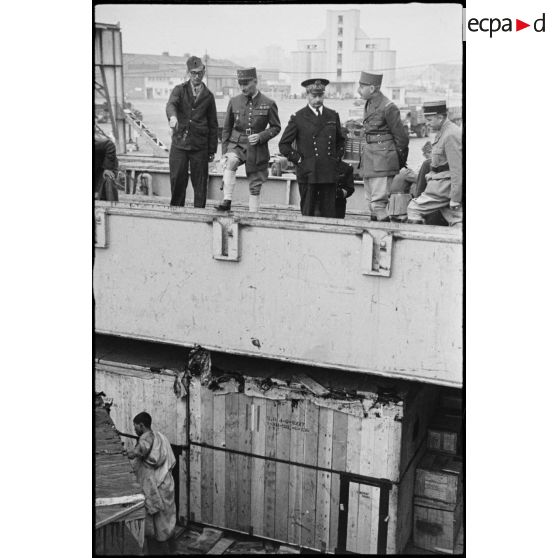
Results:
<point x="197" y="539"/>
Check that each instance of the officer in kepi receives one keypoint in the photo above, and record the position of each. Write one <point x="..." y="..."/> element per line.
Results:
<point x="251" y="120"/>
<point x="312" y="140"/>
<point x="192" y="118"/>
<point x="444" y="182"/>
<point x="387" y="145"/>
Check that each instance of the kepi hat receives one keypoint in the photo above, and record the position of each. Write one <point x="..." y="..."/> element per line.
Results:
<point x="371" y="79"/>
<point x="194" y="63"/>
<point x="246" y="74"/>
<point x="434" y="107"/>
<point x="315" y="85"/>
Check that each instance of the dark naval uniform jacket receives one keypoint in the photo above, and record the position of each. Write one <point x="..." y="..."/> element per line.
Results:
<point x="197" y="118"/>
<point x="318" y="141"/>
<point x="246" y="116"/>
<point x="387" y="139"/>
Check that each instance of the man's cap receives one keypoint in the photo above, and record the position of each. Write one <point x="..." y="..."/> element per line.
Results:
<point x="371" y="79"/>
<point x="246" y="74"/>
<point x="194" y="63"/>
<point x="434" y="107"/>
<point x="315" y="85"/>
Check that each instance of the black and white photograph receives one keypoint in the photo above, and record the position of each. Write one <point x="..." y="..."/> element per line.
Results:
<point x="278" y="278"/>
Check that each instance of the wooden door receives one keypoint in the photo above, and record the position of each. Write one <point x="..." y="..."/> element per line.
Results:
<point x="363" y="516"/>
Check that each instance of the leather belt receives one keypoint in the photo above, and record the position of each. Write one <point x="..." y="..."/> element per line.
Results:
<point x="378" y="138"/>
<point x="441" y="168"/>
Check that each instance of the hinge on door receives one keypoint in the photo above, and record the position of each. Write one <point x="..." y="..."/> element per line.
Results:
<point x="376" y="252"/>
<point x="225" y="240"/>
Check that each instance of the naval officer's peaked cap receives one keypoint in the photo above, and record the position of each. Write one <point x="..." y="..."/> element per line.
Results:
<point x="371" y="79"/>
<point x="434" y="107"/>
<point x="246" y="74"/>
<point x="194" y="63"/>
<point x="315" y="85"/>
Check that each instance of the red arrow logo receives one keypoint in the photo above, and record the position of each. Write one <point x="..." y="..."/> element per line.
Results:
<point x="519" y="25"/>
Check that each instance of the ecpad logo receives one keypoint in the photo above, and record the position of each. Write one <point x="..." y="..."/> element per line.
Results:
<point x="493" y="25"/>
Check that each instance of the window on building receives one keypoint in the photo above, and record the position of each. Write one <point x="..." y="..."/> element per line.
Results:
<point x="339" y="20"/>
<point x="339" y="44"/>
<point x="340" y="31"/>
<point x="339" y="59"/>
<point x="339" y="71"/>
<point x="371" y="46"/>
<point x="311" y="47"/>
<point x="395" y="93"/>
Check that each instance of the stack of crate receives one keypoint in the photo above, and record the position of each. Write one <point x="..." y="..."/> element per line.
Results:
<point x="438" y="501"/>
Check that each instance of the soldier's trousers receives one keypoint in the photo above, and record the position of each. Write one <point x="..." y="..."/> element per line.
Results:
<point x="428" y="203"/>
<point x="319" y="197"/>
<point x="179" y="161"/>
<point x="376" y="192"/>
<point x="235" y="158"/>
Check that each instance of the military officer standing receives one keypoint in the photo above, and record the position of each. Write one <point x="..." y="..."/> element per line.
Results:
<point x="317" y="132"/>
<point x="386" y="149"/>
<point x="192" y="116"/>
<point x="245" y="137"/>
<point x="444" y="181"/>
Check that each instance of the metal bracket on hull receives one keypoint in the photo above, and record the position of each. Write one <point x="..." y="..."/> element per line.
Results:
<point x="100" y="227"/>
<point x="376" y="252"/>
<point x="225" y="240"/>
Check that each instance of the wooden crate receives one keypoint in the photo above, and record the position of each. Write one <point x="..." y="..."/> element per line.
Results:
<point x="436" y="524"/>
<point x="451" y="401"/>
<point x="444" y="435"/>
<point x="282" y="463"/>
<point x="439" y="477"/>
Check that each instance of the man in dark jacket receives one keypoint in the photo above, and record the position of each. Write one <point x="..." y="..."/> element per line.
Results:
<point x="251" y="120"/>
<point x="192" y="116"/>
<point x="386" y="149"/>
<point x="316" y="130"/>
<point x="345" y="188"/>
<point x="106" y="163"/>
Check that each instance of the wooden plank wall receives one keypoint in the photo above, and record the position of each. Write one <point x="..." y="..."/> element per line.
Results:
<point x="283" y="501"/>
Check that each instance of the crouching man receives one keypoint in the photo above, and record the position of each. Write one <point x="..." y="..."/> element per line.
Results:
<point x="245" y="137"/>
<point x="444" y="182"/>
<point x="153" y="461"/>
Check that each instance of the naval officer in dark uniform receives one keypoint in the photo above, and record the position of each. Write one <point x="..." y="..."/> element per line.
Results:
<point x="192" y="116"/>
<point x="251" y="120"/>
<point x="316" y="130"/>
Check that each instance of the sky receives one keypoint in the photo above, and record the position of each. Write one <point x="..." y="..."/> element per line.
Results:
<point x="420" y="33"/>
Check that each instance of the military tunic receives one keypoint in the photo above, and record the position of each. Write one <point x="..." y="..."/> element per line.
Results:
<point x="244" y="117"/>
<point x="387" y="140"/>
<point x="444" y="182"/>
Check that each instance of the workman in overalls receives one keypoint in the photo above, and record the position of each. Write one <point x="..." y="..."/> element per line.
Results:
<point x="386" y="148"/>
<point x="444" y="182"/>
<point x="252" y="119"/>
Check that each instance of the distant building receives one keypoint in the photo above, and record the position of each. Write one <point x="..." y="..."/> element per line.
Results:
<point x="432" y="76"/>
<point x="341" y="52"/>
<point x="153" y="76"/>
